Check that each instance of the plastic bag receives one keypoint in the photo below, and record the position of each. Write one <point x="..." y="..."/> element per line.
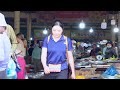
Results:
<point x="11" y="70"/>
<point x="110" y="72"/>
<point x="18" y="68"/>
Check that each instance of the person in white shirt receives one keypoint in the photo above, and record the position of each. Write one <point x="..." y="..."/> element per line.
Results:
<point x="5" y="47"/>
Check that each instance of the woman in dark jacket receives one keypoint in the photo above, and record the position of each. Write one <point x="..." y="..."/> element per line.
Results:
<point x="109" y="51"/>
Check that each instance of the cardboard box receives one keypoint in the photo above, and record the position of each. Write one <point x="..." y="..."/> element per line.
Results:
<point x="87" y="72"/>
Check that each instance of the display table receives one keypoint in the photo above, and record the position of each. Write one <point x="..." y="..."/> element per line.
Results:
<point x="96" y="70"/>
<point x="87" y="73"/>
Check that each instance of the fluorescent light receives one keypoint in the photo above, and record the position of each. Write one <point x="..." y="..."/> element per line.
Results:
<point x="45" y="31"/>
<point x="91" y="30"/>
<point x="116" y="29"/>
<point x="82" y="25"/>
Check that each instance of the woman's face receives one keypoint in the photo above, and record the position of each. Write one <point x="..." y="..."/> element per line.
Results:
<point x="109" y="45"/>
<point x="57" y="31"/>
<point x="18" y="39"/>
<point x="22" y="36"/>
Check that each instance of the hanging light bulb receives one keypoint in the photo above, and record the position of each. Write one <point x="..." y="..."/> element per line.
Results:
<point x="82" y="25"/>
<point x="104" y="24"/>
<point x="45" y="31"/>
<point x="91" y="30"/>
<point x="113" y="22"/>
<point x="116" y="29"/>
<point x="31" y="38"/>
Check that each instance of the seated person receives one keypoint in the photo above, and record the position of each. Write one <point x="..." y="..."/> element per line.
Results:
<point x="109" y="51"/>
<point x="95" y="51"/>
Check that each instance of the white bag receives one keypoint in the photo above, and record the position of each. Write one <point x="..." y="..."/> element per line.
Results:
<point x="55" y="67"/>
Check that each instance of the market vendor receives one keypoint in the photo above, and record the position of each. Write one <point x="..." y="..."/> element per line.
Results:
<point x="95" y="51"/>
<point x="109" y="51"/>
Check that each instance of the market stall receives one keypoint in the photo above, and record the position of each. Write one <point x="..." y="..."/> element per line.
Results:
<point x="86" y="68"/>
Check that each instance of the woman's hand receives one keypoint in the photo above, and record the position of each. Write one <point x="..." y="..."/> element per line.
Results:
<point x="72" y="76"/>
<point x="46" y="70"/>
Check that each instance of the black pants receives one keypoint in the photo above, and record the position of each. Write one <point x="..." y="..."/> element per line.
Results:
<point x="37" y="65"/>
<point x="57" y="75"/>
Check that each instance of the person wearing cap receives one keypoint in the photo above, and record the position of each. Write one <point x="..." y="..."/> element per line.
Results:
<point x="5" y="47"/>
<point x="11" y="34"/>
